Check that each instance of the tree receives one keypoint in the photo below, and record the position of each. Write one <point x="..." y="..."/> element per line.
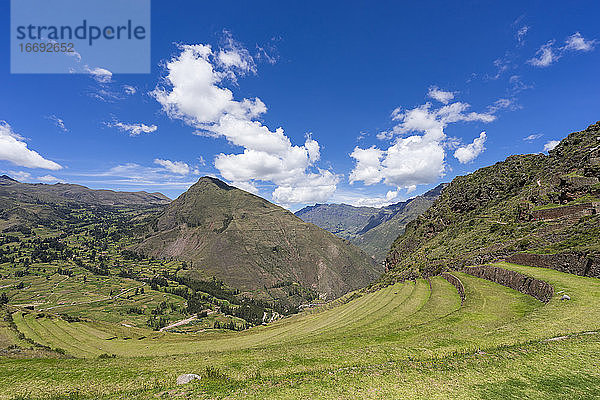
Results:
<point x="3" y="298"/>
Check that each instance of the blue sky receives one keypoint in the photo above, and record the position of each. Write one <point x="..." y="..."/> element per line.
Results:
<point x="363" y="103"/>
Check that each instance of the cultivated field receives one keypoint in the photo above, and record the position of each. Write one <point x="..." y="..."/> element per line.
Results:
<point x="411" y="339"/>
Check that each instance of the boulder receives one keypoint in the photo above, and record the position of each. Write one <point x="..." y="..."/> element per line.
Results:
<point x="565" y="297"/>
<point x="187" y="378"/>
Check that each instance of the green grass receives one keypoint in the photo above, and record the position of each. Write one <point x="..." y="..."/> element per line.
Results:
<point x="408" y="340"/>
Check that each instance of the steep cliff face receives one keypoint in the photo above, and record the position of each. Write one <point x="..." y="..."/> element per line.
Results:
<point x="495" y="211"/>
<point x="252" y="244"/>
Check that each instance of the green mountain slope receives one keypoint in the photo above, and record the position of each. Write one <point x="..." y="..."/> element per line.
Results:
<point x="254" y="245"/>
<point x="536" y="203"/>
<point x="371" y="229"/>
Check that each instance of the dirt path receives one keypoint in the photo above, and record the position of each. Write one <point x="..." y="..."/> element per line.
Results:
<point x="179" y="323"/>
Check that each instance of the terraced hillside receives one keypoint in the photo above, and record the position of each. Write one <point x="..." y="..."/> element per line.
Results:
<point x="532" y="204"/>
<point x="379" y="343"/>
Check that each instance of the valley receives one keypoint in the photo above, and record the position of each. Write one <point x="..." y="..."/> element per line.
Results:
<point x="491" y="290"/>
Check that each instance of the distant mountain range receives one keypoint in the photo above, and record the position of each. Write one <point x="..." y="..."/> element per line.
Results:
<point x="372" y="229"/>
<point x="40" y="204"/>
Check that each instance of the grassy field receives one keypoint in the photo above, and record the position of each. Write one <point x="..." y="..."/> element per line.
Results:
<point x="411" y="339"/>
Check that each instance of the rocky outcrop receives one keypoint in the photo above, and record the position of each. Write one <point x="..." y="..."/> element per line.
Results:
<point x="541" y="290"/>
<point x="454" y="281"/>
<point x="572" y="263"/>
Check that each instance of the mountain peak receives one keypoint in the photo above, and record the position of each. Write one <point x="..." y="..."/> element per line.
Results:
<point x="209" y="180"/>
<point x="8" y="178"/>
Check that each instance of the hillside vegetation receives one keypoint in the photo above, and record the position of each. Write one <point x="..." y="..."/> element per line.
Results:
<point x="494" y="212"/>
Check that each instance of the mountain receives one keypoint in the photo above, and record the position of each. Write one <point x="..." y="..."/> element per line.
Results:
<point x="254" y="245"/>
<point x="60" y="193"/>
<point x="543" y="208"/>
<point x="372" y="229"/>
<point x="38" y="203"/>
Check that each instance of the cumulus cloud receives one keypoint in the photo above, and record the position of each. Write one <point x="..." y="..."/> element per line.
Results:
<point x="176" y="167"/>
<point x="14" y="149"/>
<point x="195" y="91"/>
<point x="418" y="158"/>
<point x="468" y="153"/>
<point x="48" y="179"/>
<point x="532" y="137"/>
<point x="440" y="95"/>
<point x="59" y="122"/>
<point x="545" y="55"/>
<point x="359" y="199"/>
<point x="101" y="75"/>
<point x="134" y="129"/>
<point x="549" y="53"/>
<point x="551" y="145"/>
<point x="576" y="42"/>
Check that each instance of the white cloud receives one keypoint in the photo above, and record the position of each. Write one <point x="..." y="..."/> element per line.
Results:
<point x="48" y="179"/>
<point x="194" y="92"/>
<point x="533" y="136"/>
<point x="59" y="122"/>
<point x="502" y="104"/>
<point x="176" y="167"/>
<point x="366" y="200"/>
<point x="14" y="149"/>
<point x="134" y="129"/>
<point x="130" y="90"/>
<point x="440" y="95"/>
<point x="517" y="85"/>
<point x="551" y="145"/>
<point x="576" y="42"/>
<point x="101" y="75"/>
<point x="548" y="54"/>
<point x="234" y="58"/>
<point x="19" y="175"/>
<point x="136" y="175"/>
<point x="416" y="159"/>
<point x="468" y="153"/>
<point x="521" y="34"/>
<point x="545" y="56"/>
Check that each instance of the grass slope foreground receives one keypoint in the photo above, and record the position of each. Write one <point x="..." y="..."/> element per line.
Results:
<point x="372" y="229"/>
<point x="543" y="208"/>
<point x="252" y="244"/>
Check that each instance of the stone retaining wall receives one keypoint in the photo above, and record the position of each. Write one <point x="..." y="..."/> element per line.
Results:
<point x="572" y="263"/>
<point x="457" y="284"/>
<point x="564" y="211"/>
<point x="515" y="280"/>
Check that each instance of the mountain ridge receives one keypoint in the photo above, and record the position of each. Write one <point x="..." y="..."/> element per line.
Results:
<point x="372" y="229"/>
<point x="252" y="244"/>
